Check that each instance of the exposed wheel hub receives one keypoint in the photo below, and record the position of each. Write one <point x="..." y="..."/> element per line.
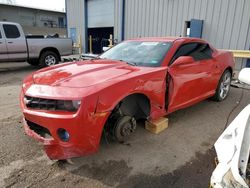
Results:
<point x="124" y="126"/>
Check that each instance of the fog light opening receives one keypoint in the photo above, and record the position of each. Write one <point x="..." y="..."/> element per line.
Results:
<point x="63" y="134"/>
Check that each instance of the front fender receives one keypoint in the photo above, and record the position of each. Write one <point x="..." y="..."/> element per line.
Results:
<point x="152" y="86"/>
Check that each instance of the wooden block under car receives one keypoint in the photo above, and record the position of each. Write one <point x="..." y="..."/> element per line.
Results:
<point x="157" y="126"/>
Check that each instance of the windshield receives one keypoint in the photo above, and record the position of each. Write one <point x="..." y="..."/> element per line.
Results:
<point x="148" y="54"/>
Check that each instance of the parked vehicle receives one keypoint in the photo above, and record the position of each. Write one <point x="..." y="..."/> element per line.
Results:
<point x="68" y="106"/>
<point x="43" y="52"/>
<point x="232" y="148"/>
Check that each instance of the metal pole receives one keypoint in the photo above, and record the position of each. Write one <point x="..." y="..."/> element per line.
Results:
<point x="80" y="44"/>
<point x="110" y="40"/>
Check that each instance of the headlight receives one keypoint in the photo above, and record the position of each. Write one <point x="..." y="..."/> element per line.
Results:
<point x="71" y="106"/>
<point x="52" y="104"/>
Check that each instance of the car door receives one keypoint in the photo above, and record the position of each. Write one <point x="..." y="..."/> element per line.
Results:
<point x="3" y="48"/>
<point x="15" y="41"/>
<point x="190" y="82"/>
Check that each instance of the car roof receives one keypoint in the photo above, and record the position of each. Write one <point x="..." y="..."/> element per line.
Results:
<point x="167" y="39"/>
<point x="11" y="23"/>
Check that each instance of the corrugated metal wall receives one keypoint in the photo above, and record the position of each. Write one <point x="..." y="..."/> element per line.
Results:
<point x="118" y="20"/>
<point x="75" y="11"/>
<point x="226" y="22"/>
<point x="100" y="13"/>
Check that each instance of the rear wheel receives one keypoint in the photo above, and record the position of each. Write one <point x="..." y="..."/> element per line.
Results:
<point x="48" y="58"/>
<point x="223" y="86"/>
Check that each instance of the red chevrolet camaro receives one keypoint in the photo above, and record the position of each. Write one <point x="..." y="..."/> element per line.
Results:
<point x="69" y="106"/>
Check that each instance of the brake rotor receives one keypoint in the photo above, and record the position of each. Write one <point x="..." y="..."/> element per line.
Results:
<point x="124" y="127"/>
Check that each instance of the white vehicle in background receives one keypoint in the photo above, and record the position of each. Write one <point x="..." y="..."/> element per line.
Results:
<point x="233" y="148"/>
<point x="35" y="49"/>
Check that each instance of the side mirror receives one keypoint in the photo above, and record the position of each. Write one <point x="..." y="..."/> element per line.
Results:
<point x="244" y="76"/>
<point x="182" y="60"/>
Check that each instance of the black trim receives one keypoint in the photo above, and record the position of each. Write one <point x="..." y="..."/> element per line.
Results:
<point x="38" y="129"/>
<point x="123" y="20"/>
<point x="67" y="33"/>
<point x="86" y="26"/>
<point x="27" y="48"/>
<point x="14" y="52"/>
<point x="174" y="58"/>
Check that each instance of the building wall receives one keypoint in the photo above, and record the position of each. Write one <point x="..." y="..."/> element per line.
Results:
<point x="100" y="13"/>
<point x="118" y="20"/>
<point x="84" y="14"/>
<point x="226" y="22"/>
<point x="44" y="31"/>
<point x="31" y="17"/>
<point x="75" y="12"/>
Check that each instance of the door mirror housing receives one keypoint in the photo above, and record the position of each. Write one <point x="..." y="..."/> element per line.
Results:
<point x="244" y="76"/>
<point x="182" y="60"/>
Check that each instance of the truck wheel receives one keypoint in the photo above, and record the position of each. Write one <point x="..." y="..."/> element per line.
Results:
<point x="33" y="62"/>
<point x="48" y="58"/>
<point x="223" y="86"/>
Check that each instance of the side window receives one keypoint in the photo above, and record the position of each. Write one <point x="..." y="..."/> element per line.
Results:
<point x="199" y="51"/>
<point x="208" y="51"/>
<point x="184" y="50"/>
<point x="0" y="35"/>
<point x="11" y="31"/>
<point x="202" y="52"/>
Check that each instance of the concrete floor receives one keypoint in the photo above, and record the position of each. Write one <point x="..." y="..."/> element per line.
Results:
<point x="181" y="156"/>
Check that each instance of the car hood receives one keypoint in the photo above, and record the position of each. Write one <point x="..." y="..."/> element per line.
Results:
<point x="83" y="73"/>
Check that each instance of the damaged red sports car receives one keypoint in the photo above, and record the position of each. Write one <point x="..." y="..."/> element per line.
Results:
<point x="68" y="106"/>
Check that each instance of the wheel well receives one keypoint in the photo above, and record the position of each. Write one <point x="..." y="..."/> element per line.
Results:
<point x="52" y="50"/>
<point x="230" y="69"/>
<point x="136" y="105"/>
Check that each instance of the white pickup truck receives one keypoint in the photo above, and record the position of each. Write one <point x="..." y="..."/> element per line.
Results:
<point x="40" y="51"/>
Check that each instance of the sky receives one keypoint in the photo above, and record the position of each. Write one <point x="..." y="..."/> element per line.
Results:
<point x="43" y="4"/>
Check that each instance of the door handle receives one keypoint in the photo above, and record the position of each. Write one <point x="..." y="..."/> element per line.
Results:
<point x="10" y="42"/>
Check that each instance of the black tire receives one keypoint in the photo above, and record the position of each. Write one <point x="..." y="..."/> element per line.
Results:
<point x="33" y="62"/>
<point x="48" y="58"/>
<point x="218" y="95"/>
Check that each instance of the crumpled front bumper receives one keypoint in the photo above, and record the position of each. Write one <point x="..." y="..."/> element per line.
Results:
<point x="84" y="135"/>
<point x="84" y="127"/>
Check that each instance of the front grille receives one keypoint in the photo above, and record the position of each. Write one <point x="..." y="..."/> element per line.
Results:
<point x="40" y="103"/>
<point x="42" y="131"/>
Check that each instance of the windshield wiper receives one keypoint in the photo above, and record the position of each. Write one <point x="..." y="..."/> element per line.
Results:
<point x="129" y="63"/>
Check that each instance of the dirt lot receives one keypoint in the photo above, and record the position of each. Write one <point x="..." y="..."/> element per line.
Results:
<point x="182" y="156"/>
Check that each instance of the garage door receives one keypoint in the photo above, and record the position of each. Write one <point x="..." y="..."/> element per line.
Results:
<point x="100" y="13"/>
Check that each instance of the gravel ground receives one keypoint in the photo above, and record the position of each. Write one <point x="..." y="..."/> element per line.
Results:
<point x="181" y="156"/>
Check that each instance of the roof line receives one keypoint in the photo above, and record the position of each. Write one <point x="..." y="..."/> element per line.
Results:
<point x="35" y="8"/>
